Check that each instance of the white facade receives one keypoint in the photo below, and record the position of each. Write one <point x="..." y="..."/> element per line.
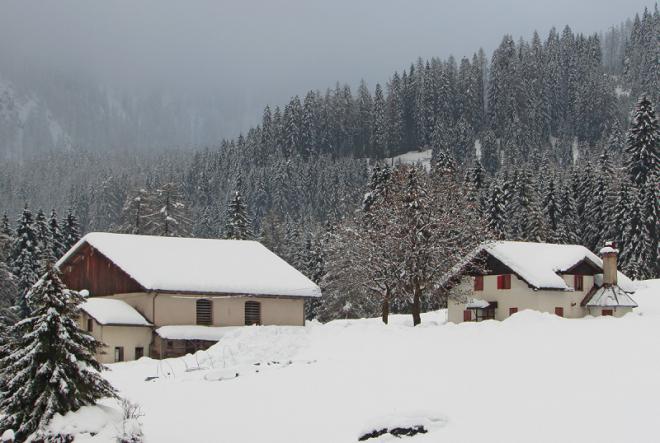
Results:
<point x="521" y="296"/>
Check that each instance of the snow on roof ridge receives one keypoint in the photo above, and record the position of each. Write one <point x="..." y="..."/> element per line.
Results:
<point x="181" y="264"/>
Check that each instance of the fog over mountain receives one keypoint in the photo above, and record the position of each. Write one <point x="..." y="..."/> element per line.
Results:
<point x="163" y="73"/>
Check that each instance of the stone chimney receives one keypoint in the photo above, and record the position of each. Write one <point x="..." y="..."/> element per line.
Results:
<point x="609" y="254"/>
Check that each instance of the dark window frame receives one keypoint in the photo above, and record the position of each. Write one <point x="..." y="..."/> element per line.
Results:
<point x="204" y="312"/>
<point x="90" y="325"/>
<point x="119" y="354"/>
<point x="578" y="282"/>
<point x="482" y="314"/>
<point x="139" y="352"/>
<point x="252" y="313"/>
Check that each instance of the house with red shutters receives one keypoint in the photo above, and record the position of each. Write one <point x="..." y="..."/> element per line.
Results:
<point x="566" y="280"/>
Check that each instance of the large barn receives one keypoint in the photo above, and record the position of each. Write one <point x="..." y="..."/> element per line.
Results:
<point x="168" y="296"/>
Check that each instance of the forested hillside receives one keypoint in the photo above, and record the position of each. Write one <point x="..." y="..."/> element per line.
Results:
<point x="546" y="139"/>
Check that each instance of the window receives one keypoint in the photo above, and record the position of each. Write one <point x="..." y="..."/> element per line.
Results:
<point x="559" y="311"/>
<point x="252" y="313"/>
<point x="578" y="282"/>
<point x="479" y="283"/>
<point x="512" y="311"/>
<point x="119" y="353"/>
<point x="90" y="325"/>
<point x="607" y="312"/>
<point x="139" y="352"/>
<point x="485" y="313"/>
<point x="170" y="344"/>
<point x="204" y="312"/>
<point x="504" y="281"/>
<point x="467" y="315"/>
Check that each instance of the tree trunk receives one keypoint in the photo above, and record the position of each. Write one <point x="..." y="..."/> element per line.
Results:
<point x="416" y="305"/>
<point x="386" y="306"/>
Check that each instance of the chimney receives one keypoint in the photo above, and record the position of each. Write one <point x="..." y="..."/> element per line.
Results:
<point x="609" y="254"/>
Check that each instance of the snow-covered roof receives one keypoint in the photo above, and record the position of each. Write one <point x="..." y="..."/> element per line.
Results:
<point x="109" y="311"/>
<point x="540" y="264"/>
<point x="176" y="264"/>
<point x="194" y="332"/>
<point x="611" y="296"/>
<point x="476" y="303"/>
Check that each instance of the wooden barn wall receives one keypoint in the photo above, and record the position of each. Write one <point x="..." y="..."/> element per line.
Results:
<point x="91" y="270"/>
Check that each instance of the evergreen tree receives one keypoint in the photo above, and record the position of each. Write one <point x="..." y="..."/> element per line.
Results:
<point x="496" y="216"/>
<point x="568" y="228"/>
<point x="56" y="236"/>
<point x="49" y="368"/>
<point x="632" y="257"/>
<point x="43" y="233"/>
<point x="643" y="143"/>
<point x="70" y="230"/>
<point x="4" y="226"/>
<point x="620" y="216"/>
<point x="650" y="238"/>
<point x="25" y="257"/>
<point x="597" y="212"/>
<point x="238" y="225"/>
<point x="552" y="212"/>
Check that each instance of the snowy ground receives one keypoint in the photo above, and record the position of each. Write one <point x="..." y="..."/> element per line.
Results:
<point x="534" y="377"/>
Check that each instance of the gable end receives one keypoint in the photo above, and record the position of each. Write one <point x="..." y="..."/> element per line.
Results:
<point x="89" y="269"/>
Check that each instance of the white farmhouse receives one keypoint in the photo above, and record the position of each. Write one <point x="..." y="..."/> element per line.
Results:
<point x="567" y="280"/>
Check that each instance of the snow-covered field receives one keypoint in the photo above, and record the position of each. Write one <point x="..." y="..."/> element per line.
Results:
<point x="534" y="377"/>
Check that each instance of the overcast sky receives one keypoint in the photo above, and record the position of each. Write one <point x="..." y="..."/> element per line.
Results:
<point x="267" y="50"/>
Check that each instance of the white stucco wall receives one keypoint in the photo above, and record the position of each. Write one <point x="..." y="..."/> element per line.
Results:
<point x="179" y="309"/>
<point x="521" y="296"/>
<point x="128" y="337"/>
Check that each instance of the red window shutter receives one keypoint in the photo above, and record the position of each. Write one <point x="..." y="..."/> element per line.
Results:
<point x="578" y="282"/>
<point x="467" y="315"/>
<point x="559" y="311"/>
<point x="504" y="281"/>
<point x="513" y="311"/>
<point x="607" y="312"/>
<point x="479" y="283"/>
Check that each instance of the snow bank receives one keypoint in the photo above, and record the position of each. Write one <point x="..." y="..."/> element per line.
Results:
<point x="200" y="265"/>
<point x="108" y="311"/>
<point x="102" y="423"/>
<point x="533" y="377"/>
<point x="648" y="297"/>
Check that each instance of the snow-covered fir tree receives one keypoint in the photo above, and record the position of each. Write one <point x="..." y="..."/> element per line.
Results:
<point x="496" y="212"/>
<point x="238" y="225"/>
<point x="57" y="241"/>
<point x="25" y="257"/>
<point x="43" y="232"/>
<point x="49" y="366"/>
<point x="5" y="228"/>
<point x="643" y="143"/>
<point x="70" y="230"/>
